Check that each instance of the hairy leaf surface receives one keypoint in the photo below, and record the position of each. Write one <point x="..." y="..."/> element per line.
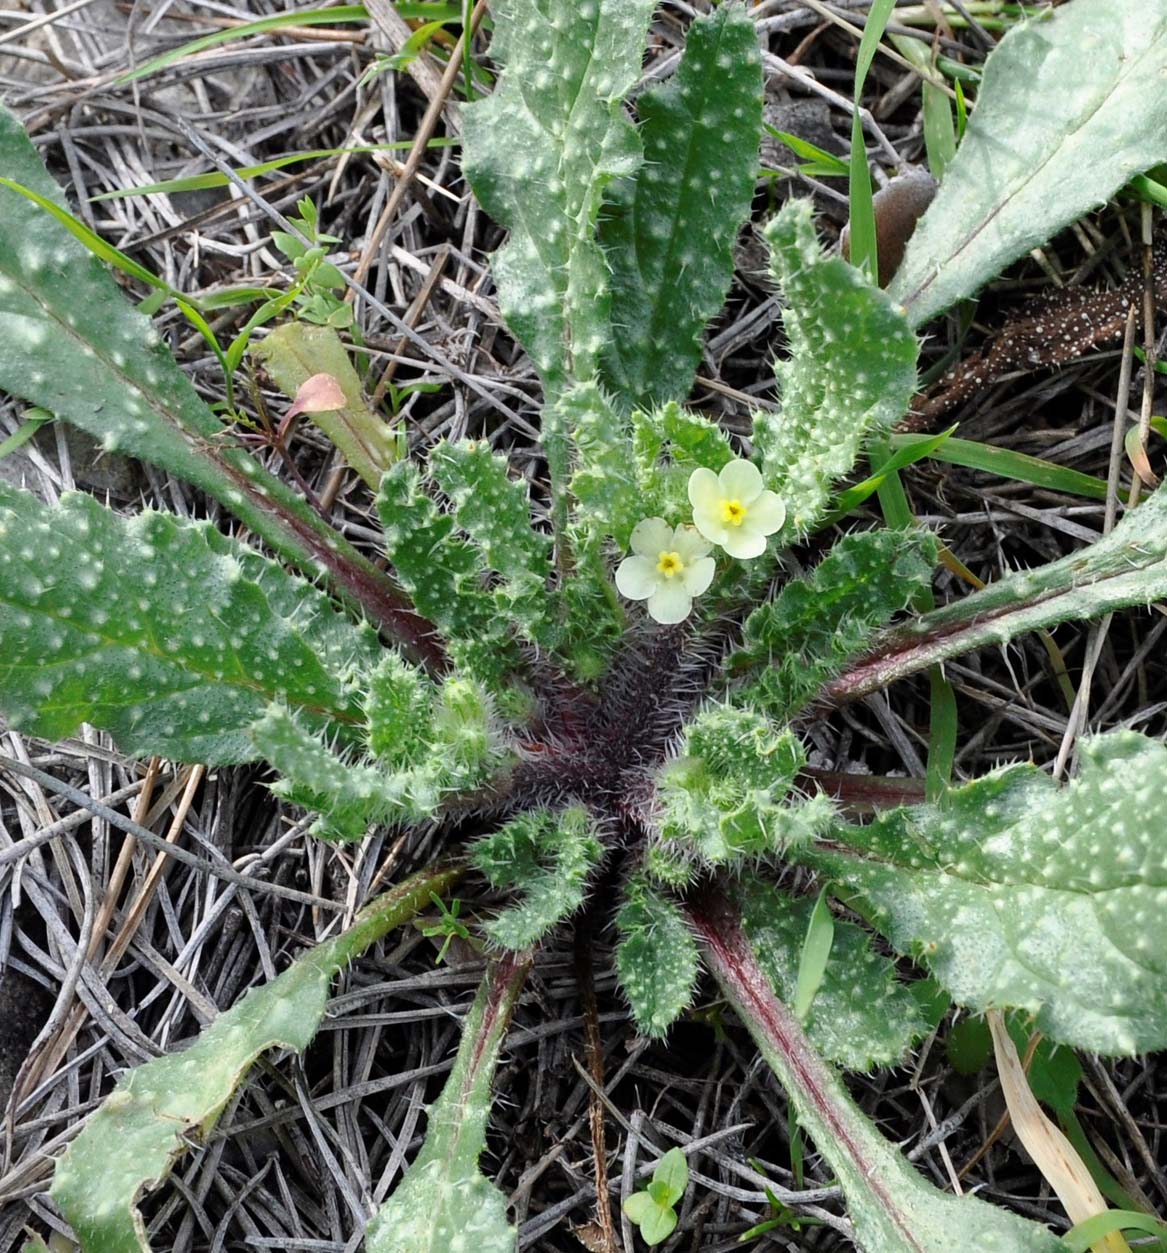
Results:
<point x="1019" y="894"/>
<point x="894" y="1208"/>
<point x="442" y="571"/>
<point x="669" y="232"/>
<point x="814" y="625"/>
<point x="165" y="633"/>
<point x="1128" y="567"/>
<point x="656" y="959"/>
<point x="547" y="857"/>
<point x="495" y="511"/>
<point x="539" y="152"/>
<point x="851" y="369"/>
<point x="445" y="1202"/>
<point x="862" y="1015"/>
<point x="71" y="343"/>
<point x="130" y="1143"/>
<point x="1069" y="108"/>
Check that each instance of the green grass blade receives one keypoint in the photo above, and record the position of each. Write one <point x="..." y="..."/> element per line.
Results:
<point x="863" y="251"/>
<point x="217" y="178"/>
<point x="282" y="21"/>
<point x="1007" y="464"/>
<point x="903" y="456"/>
<point x="816" y="952"/>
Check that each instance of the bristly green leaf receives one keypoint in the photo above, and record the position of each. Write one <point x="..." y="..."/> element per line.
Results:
<point x="1067" y="111"/>
<point x="656" y="959"/>
<point x="444" y="1202"/>
<point x="443" y="572"/>
<point x="495" y="511"/>
<point x="851" y="369"/>
<point x="131" y="1142"/>
<point x="668" y="444"/>
<point x="539" y="152"/>
<point x="454" y="746"/>
<point x="609" y="499"/>
<point x="72" y="343"/>
<point x="349" y="796"/>
<point x="547" y="857"/>
<point x="724" y="797"/>
<point x="894" y="1208"/>
<point x="1019" y="894"/>
<point x="95" y="614"/>
<point x="861" y="1016"/>
<point x="399" y="713"/>
<point x="669" y="231"/>
<point x="1125" y="568"/>
<point x="816" y="624"/>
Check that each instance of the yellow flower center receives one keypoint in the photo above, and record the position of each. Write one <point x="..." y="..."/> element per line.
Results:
<point x="733" y="512"/>
<point x="670" y="565"/>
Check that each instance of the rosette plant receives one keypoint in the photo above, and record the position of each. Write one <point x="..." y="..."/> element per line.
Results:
<point x="609" y="673"/>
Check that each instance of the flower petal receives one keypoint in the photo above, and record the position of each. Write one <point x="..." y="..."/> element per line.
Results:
<point x="704" y="489"/>
<point x="767" y="514"/>
<point x="670" y="603"/>
<point x="741" y="480"/>
<point x="744" y="544"/>
<point x="690" y="544"/>
<point x="698" y="576"/>
<point x="651" y="537"/>
<point x="637" y="578"/>
<point x="709" y="523"/>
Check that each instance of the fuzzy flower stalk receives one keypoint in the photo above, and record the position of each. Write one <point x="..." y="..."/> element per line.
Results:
<point x="669" y="566"/>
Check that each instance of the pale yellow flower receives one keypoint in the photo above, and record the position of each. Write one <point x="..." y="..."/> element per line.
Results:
<point x="669" y="566"/>
<point x="734" y="510"/>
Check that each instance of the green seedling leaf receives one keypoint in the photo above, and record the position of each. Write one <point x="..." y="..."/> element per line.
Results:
<point x="540" y="152"/>
<point x="129" y="1145"/>
<point x="905" y="455"/>
<point x="669" y="231"/>
<point x="95" y="613"/>
<point x="656" y="959"/>
<point x="939" y="127"/>
<point x="1019" y="894"/>
<point x="655" y="1221"/>
<point x="672" y="1173"/>
<point x="652" y="1209"/>
<point x="333" y="16"/>
<point x="817" y="623"/>
<point x="1125" y="568"/>
<point x="851" y="370"/>
<point x="445" y="1202"/>
<point x="969" y="1046"/>
<point x="72" y="344"/>
<point x="34" y="419"/>
<point x="1084" y="80"/>
<point x="820" y="162"/>
<point x="1054" y="1072"/>
<point x="892" y="1206"/>
<point x="859" y="1014"/>
<point x="547" y="857"/>
<point x="294" y="353"/>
